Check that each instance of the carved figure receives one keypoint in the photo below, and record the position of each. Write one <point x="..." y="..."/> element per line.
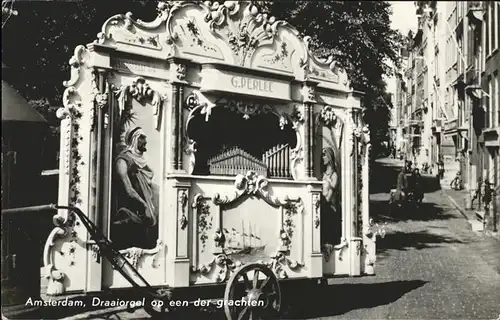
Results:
<point x="135" y="221"/>
<point x="331" y="227"/>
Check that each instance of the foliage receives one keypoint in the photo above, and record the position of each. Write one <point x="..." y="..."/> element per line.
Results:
<point x="359" y="37"/>
<point x="39" y="43"/>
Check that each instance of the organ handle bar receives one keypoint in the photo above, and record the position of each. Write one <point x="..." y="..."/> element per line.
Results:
<point x="118" y="261"/>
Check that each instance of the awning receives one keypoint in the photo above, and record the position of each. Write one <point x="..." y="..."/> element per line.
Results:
<point x="16" y="108"/>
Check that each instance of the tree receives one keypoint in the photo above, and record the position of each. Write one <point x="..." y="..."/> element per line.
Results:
<point x="359" y="37"/>
<point x="39" y="44"/>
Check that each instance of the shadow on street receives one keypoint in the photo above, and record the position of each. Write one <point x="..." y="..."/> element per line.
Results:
<point x="383" y="177"/>
<point x="322" y="301"/>
<point x="413" y="240"/>
<point x="380" y="212"/>
<point x="338" y="299"/>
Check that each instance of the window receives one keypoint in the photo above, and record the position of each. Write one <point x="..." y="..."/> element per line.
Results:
<point x="487" y="20"/>
<point x="489" y="104"/>
<point x="483" y="44"/>
<point x="436" y="66"/>
<point x="470" y="45"/>
<point x="494" y="25"/>
<point x="497" y="103"/>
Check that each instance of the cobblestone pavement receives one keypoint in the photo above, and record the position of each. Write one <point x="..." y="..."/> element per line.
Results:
<point x="430" y="265"/>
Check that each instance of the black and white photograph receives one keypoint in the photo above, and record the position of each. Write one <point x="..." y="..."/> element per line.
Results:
<point x="250" y="160"/>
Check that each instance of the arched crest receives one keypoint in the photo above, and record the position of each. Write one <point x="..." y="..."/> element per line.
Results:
<point x="232" y="32"/>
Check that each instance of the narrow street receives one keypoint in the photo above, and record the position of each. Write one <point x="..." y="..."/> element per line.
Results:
<point x="430" y="266"/>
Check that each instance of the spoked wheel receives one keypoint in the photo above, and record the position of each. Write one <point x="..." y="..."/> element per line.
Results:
<point x="157" y="305"/>
<point x="259" y="298"/>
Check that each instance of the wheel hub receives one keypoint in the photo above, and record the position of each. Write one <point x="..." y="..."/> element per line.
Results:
<point x="254" y="296"/>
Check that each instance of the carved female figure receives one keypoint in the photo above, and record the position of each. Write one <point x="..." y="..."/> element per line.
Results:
<point x="331" y="220"/>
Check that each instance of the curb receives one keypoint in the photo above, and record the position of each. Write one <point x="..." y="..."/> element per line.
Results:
<point x="456" y="205"/>
<point x="491" y="234"/>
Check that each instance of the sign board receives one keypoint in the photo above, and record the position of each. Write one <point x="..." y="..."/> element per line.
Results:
<point x="214" y="79"/>
<point x="139" y="68"/>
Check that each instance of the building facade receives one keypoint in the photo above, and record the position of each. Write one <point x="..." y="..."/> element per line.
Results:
<point x="487" y="112"/>
<point x="419" y="93"/>
<point x="448" y="95"/>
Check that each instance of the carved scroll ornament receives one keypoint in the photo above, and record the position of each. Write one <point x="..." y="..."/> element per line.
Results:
<point x="253" y="185"/>
<point x="134" y="254"/>
<point x="221" y="265"/>
<point x="255" y="29"/>
<point x="142" y="93"/>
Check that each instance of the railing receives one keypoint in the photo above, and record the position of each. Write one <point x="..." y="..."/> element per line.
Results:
<point x="277" y="160"/>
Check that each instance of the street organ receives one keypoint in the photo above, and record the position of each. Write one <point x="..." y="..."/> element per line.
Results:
<point x="204" y="143"/>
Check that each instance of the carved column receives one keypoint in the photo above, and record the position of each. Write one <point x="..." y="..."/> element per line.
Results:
<point x="368" y="242"/>
<point x="175" y="127"/>
<point x="65" y="156"/>
<point x="309" y="98"/>
<point x="316" y="264"/>
<point x="101" y="148"/>
<point x="177" y="79"/>
<point x="181" y="257"/>
<point x="180" y="129"/>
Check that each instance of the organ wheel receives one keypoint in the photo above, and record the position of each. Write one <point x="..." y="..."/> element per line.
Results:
<point x="258" y="298"/>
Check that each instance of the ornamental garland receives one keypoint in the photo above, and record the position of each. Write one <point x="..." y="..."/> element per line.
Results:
<point x="359" y="199"/>
<point x="204" y="222"/>
<point x="288" y="224"/>
<point x="77" y="160"/>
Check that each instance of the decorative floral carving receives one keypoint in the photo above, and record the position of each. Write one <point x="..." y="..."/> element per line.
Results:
<point x="68" y="250"/>
<point x="316" y="207"/>
<point x="253" y="185"/>
<point x="281" y="54"/>
<point x="328" y="116"/>
<point x="308" y="93"/>
<point x="196" y="38"/>
<point x="96" y="252"/>
<point x="183" y="200"/>
<point x="125" y="30"/>
<point x="253" y="30"/>
<point x="280" y="262"/>
<point x="134" y="254"/>
<point x="204" y="218"/>
<point x="142" y="92"/>
<point x="221" y="264"/>
<point x="291" y="209"/>
<point x="248" y="109"/>
<point x="180" y="72"/>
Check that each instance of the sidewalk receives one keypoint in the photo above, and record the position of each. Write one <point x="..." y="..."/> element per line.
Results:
<point x="458" y="199"/>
